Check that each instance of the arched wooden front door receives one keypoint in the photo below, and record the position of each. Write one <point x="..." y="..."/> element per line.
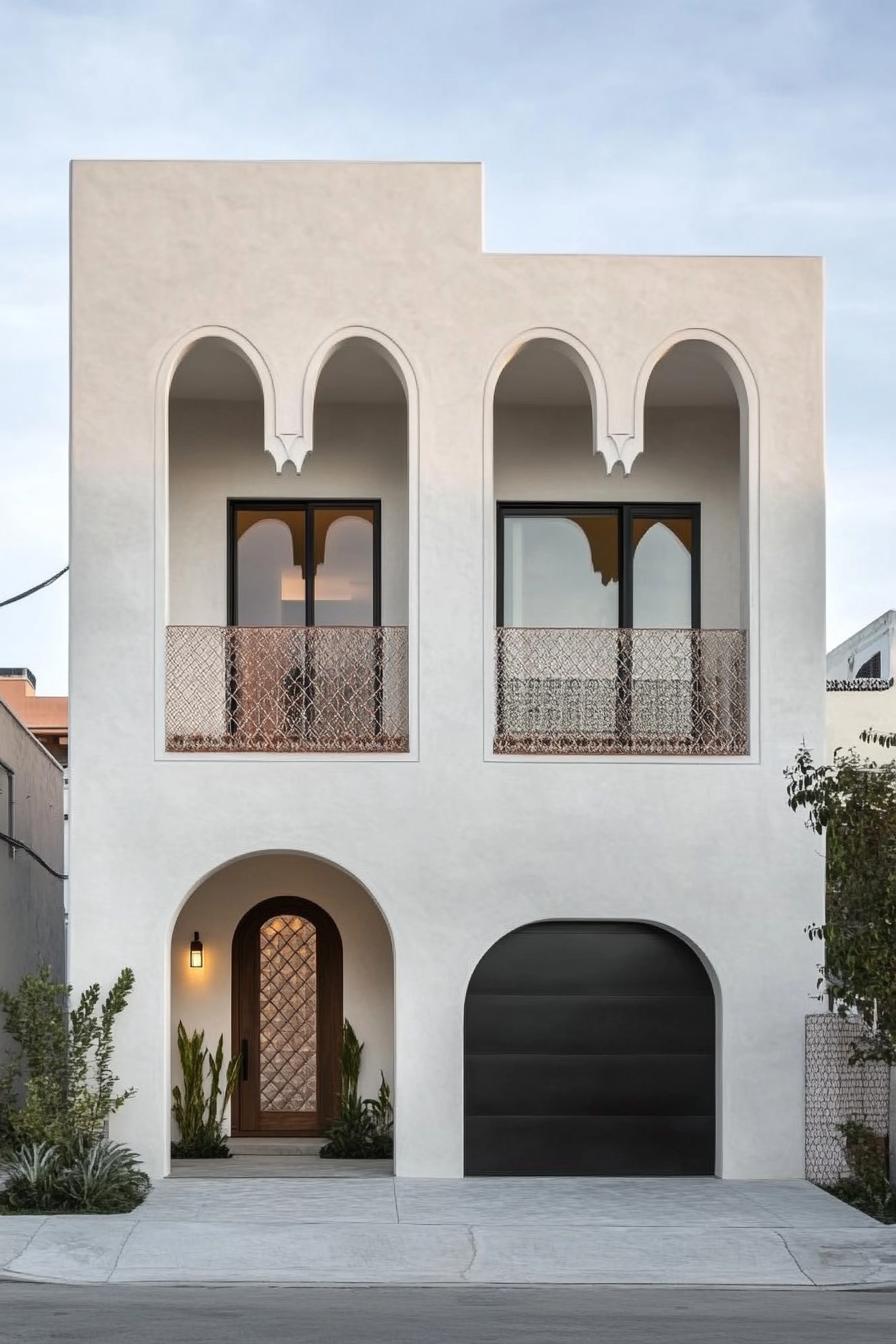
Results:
<point x="287" y="1018"/>
<point x="589" y="1051"/>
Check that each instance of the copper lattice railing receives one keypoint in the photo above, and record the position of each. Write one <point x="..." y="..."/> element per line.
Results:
<point x="621" y="692"/>
<point x="327" y="688"/>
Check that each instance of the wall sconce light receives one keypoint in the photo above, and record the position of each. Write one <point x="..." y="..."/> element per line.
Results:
<point x="195" y="953"/>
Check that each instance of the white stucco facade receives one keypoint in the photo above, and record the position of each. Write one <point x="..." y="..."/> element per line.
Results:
<point x="426" y="858"/>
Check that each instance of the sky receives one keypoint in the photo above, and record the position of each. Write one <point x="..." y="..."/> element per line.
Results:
<point x="716" y="126"/>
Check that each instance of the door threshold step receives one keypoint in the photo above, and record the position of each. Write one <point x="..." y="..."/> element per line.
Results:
<point x="276" y="1147"/>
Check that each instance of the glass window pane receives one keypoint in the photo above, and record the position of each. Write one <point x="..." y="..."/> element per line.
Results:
<point x="270" y="559"/>
<point x="562" y="571"/>
<point x="287" y="1008"/>
<point x="343" y="566"/>
<point x="661" y="573"/>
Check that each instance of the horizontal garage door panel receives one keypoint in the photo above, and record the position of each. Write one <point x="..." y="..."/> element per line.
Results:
<point x="590" y="1146"/>
<point x="589" y="1023"/>
<point x="589" y="1084"/>
<point x="589" y="1049"/>
<point x="568" y="958"/>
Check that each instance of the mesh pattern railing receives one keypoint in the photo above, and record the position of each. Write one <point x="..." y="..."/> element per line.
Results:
<point x="621" y="692"/>
<point x="239" y="688"/>
<point x="837" y="1091"/>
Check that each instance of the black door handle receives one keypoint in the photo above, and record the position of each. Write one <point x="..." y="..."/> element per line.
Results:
<point x="244" y="1051"/>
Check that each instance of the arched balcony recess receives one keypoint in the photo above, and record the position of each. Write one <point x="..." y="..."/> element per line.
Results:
<point x="288" y="591"/>
<point x="622" y="599"/>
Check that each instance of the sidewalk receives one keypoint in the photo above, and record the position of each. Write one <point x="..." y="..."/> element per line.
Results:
<point x="379" y="1230"/>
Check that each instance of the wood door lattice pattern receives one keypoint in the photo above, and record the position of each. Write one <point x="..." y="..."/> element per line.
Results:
<point x="288" y="1014"/>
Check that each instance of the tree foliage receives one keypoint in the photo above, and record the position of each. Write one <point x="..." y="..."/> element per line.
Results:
<point x="852" y="802"/>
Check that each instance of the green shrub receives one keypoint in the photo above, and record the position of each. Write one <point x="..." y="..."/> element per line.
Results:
<point x="363" y="1127"/>
<point x="88" y="1176"/>
<point x="867" y="1187"/>
<point x="200" y="1117"/>
<point x="30" y="1177"/>
<point x="59" y="1085"/>
<point x="102" y="1176"/>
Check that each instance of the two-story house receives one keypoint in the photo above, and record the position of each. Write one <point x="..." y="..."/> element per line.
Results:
<point x="442" y="622"/>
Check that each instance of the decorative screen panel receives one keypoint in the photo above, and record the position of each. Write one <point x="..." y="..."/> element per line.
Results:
<point x="288" y="1014"/>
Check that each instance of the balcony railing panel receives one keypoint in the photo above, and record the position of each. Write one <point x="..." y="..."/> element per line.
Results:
<point x="290" y="689"/>
<point x="621" y="692"/>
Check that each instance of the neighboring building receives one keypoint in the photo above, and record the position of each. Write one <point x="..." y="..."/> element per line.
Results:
<point x="32" y="922"/>
<point x="868" y="655"/>
<point x="861" y="692"/>
<point x="426" y="665"/>
<point x="46" y="716"/>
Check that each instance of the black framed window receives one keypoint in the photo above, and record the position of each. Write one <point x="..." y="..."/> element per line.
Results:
<point x="599" y="566"/>
<point x="311" y="562"/>
<point x="869" y="669"/>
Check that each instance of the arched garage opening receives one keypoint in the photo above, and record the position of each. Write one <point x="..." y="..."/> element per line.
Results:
<point x="589" y="1050"/>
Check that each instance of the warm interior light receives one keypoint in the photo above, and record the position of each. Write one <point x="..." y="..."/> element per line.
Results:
<point x="195" y="953"/>
<point x="327" y="587"/>
<point x="292" y="584"/>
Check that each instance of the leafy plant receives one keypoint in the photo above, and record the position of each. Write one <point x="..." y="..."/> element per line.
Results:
<point x="867" y="1186"/>
<point x="853" y="802"/>
<point x="200" y="1117"/>
<point x="89" y="1176"/>
<point x="30" y="1177"/>
<point x="60" y="1086"/>
<point x="382" y="1114"/>
<point x="101" y="1176"/>
<point x="350" y="1062"/>
<point x="363" y="1128"/>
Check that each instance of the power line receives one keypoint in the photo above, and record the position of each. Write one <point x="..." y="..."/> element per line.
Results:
<point x="20" y="844"/>
<point x="36" y="589"/>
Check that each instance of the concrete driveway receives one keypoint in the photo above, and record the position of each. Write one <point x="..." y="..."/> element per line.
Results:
<point x="380" y="1230"/>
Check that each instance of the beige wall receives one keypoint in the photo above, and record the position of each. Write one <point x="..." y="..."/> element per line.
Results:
<point x="849" y="713"/>
<point x="202" y="998"/>
<point x="691" y="457"/>
<point x="217" y="454"/>
<point x="32" y="919"/>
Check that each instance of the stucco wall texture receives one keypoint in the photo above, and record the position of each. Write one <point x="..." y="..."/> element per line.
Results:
<point x="32" y="920"/>
<point x="453" y="847"/>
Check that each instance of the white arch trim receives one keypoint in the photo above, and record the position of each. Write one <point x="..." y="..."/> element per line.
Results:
<point x="274" y="443"/>
<point x="578" y="354"/>
<point x="195" y="885"/>
<point x="303" y="443"/>
<point x="724" y="351"/>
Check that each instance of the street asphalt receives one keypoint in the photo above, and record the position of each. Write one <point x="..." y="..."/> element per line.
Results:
<point x="33" y="1313"/>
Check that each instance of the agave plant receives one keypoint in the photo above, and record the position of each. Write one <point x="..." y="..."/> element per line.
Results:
<point x="31" y="1177"/>
<point x="101" y="1176"/>
<point x="87" y="1176"/>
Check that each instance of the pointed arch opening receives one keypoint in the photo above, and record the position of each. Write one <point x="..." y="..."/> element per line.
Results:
<point x="288" y="578"/>
<point x="622" y="600"/>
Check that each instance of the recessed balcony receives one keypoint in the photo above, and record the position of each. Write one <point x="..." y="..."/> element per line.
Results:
<point x="287" y="602"/>
<point x="621" y="692"/>
<point x="286" y="689"/>
<point x="622" y="597"/>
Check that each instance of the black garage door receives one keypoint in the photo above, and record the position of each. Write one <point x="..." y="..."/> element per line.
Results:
<point x="589" y="1050"/>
